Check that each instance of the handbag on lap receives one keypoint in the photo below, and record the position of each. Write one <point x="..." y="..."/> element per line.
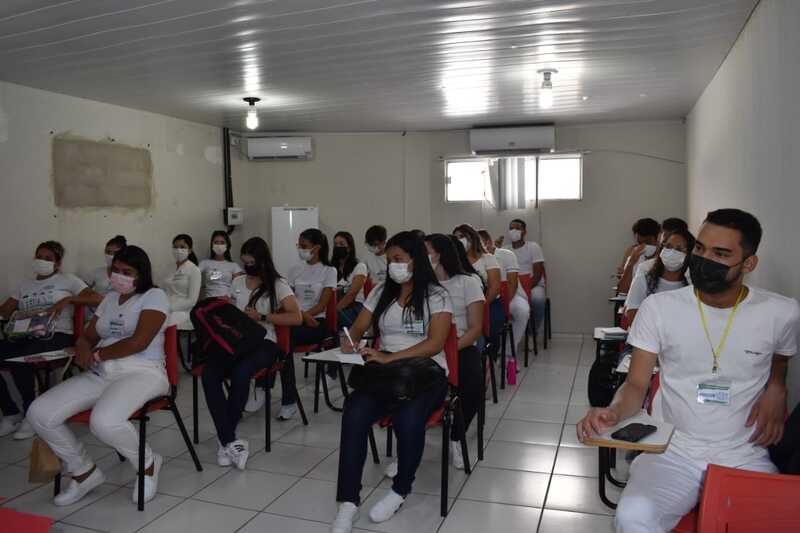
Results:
<point x="398" y="380"/>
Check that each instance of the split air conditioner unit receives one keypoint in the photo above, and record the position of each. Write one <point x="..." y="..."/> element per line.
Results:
<point x="498" y="141"/>
<point x="276" y="148"/>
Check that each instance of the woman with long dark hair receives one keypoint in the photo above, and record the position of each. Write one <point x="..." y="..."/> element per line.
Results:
<point x="411" y="313"/>
<point x="266" y="298"/>
<point x="669" y="271"/>
<point x="352" y="275"/>
<point x="183" y="284"/>
<point x="122" y="351"/>
<point x="219" y="269"/>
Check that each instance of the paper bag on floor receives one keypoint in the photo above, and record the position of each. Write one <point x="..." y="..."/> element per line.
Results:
<point x="44" y="464"/>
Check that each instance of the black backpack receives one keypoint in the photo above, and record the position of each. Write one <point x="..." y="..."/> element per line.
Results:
<point x="603" y="378"/>
<point x="223" y="331"/>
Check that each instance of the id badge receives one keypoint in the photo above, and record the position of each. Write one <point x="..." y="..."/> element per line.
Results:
<point x="117" y="327"/>
<point x="308" y="295"/>
<point x="715" y="391"/>
<point x="415" y="327"/>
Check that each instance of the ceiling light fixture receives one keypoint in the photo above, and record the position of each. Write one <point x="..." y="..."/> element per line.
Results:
<point x="252" y="114"/>
<point x="584" y="98"/>
<point x="546" y="90"/>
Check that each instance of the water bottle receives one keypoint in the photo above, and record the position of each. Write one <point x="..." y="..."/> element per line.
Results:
<point x="511" y="374"/>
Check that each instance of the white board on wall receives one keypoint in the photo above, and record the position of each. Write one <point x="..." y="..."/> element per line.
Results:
<point x="287" y="224"/>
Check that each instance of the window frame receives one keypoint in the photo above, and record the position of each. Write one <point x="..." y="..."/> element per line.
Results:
<point x="449" y="160"/>
<point x="567" y="155"/>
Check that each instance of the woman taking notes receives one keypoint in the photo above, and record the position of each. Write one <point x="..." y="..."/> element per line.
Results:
<point x="219" y="269"/>
<point x="412" y="314"/>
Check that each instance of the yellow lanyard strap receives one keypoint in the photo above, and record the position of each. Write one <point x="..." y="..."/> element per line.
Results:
<point x="718" y="351"/>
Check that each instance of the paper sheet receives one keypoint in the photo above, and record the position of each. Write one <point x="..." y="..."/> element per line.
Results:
<point x="21" y="326"/>
<point x="350" y="358"/>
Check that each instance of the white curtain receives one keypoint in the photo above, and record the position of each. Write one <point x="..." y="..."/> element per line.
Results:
<point x="506" y="183"/>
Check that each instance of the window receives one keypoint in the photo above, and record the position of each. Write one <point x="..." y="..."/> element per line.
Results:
<point x="559" y="178"/>
<point x="466" y="180"/>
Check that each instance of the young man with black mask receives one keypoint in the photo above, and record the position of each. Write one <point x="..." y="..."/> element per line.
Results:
<point x="723" y="349"/>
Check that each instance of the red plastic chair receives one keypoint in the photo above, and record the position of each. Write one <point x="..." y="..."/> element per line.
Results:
<point x="368" y="285"/>
<point x="487" y="349"/>
<point x="526" y="281"/>
<point x="78" y="319"/>
<point x="160" y="403"/>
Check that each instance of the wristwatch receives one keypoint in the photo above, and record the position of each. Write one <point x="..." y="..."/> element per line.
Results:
<point x="262" y="318"/>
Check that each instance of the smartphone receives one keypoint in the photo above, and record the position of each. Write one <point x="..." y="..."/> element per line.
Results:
<point x="634" y="432"/>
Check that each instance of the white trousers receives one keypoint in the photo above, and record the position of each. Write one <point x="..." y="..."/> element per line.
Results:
<point x="123" y="386"/>
<point x="520" y="310"/>
<point x="661" y="489"/>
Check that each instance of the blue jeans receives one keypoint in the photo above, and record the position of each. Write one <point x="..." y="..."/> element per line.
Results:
<point x="497" y="318"/>
<point x="538" y="299"/>
<point x="409" y="418"/>
<point x="470" y="387"/>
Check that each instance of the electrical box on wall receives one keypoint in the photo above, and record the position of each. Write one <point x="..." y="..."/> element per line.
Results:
<point x="234" y="216"/>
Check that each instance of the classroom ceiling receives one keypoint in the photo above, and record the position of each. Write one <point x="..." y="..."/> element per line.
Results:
<point x="367" y="65"/>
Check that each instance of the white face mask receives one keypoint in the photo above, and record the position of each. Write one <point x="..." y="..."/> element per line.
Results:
<point x="181" y="254"/>
<point x="673" y="259"/>
<point x="43" y="268"/>
<point x="465" y="242"/>
<point x="374" y="250"/>
<point x="515" y="235"/>
<point x="219" y="249"/>
<point x="399" y="272"/>
<point x="650" y="250"/>
<point x="109" y="259"/>
<point x="305" y="255"/>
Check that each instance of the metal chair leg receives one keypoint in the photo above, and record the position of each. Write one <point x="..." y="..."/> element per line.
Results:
<point x="185" y="435"/>
<point x="445" y="460"/>
<point x="195" y="415"/>
<point x="268" y="420"/>
<point x="373" y="446"/>
<point x="492" y="376"/>
<point x="389" y="441"/>
<point x="140" y="474"/>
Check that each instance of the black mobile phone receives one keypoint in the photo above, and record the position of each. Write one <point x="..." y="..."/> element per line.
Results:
<point x="634" y="432"/>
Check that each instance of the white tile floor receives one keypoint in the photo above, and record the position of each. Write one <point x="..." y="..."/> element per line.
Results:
<point x="535" y="476"/>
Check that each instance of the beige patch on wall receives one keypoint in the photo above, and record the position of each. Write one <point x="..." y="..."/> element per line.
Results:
<point x="101" y="174"/>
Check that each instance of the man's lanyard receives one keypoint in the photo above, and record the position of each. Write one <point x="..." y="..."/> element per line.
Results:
<point x="718" y="351"/>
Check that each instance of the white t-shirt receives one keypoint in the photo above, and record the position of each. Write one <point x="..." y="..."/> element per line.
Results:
<point x="345" y="283"/>
<point x="217" y="277"/>
<point x="398" y="332"/>
<point x="183" y="287"/>
<point x="508" y="263"/>
<point x="99" y="281"/>
<point x="33" y="294"/>
<point x="240" y="296"/>
<point x="528" y="254"/>
<point x="484" y="264"/>
<point x="376" y="264"/>
<point x="638" y="291"/>
<point x="668" y="324"/>
<point x="463" y="290"/>
<point x="116" y="322"/>
<point x="309" y="281"/>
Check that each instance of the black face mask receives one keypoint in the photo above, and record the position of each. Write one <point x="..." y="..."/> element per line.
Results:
<point x="339" y="253"/>
<point x="252" y="270"/>
<point x="709" y="276"/>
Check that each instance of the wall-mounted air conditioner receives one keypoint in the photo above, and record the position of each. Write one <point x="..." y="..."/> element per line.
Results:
<point x="276" y="148"/>
<point x="487" y="141"/>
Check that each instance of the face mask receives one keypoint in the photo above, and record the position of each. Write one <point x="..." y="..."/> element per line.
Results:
<point x="649" y="250"/>
<point x="339" y="253"/>
<point x="181" y="254"/>
<point x="515" y="235"/>
<point x="219" y="249"/>
<point x="109" y="259"/>
<point x="252" y="270"/>
<point x="709" y="276"/>
<point x="673" y="259"/>
<point x="399" y="272"/>
<point x="465" y="242"/>
<point x="121" y="283"/>
<point x="304" y="254"/>
<point x="43" y="268"/>
<point x="374" y="250"/>
<point x="434" y="264"/>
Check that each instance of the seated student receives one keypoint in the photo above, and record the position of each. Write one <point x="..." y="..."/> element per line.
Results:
<point x="122" y="351"/>
<point x="646" y="232"/>
<point x="412" y="314"/>
<point x="487" y="267"/>
<point x="375" y="240"/>
<point x="100" y="279"/>
<point x="669" y="225"/>
<point x="313" y="281"/>
<point x="509" y="271"/>
<point x="531" y="262"/>
<point x="723" y="348"/>
<point x="55" y="292"/>
<point x="352" y="275"/>
<point x="267" y="299"/>
<point x="466" y="295"/>
<point x="667" y="273"/>
<point x="219" y="270"/>
<point x="183" y="285"/>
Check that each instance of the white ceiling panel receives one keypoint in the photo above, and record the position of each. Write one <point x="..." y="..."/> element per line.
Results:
<point x="365" y="65"/>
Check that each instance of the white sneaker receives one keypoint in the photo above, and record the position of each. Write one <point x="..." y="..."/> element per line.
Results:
<point x="343" y="523"/>
<point x="386" y="507"/>
<point x="150" y="482"/>
<point x="238" y="451"/>
<point x="391" y="469"/>
<point x="287" y="412"/>
<point x="257" y="400"/>
<point x="455" y="455"/>
<point x="75" y="491"/>
<point x="223" y="459"/>
<point x="10" y="424"/>
<point x="25" y="431"/>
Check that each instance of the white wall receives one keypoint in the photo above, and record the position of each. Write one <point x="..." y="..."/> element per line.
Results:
<point x="743" y="144"/>
<point x="187" y="176"/>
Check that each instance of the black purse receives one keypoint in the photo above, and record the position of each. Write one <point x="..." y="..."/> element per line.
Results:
<point x="398" y="380"/>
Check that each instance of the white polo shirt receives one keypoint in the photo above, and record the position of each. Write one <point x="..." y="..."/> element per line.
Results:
<point x="116" y="321"/>
<point x="528" y="254"/>
<point x="639" y="291"/>
<point x="240" y="296"/>
<point x="35" y="294"/>
<point x="376" y="264"/>
<point x="309" y="281"/>
<point x="669" y="325"/>
<point x="463" y="291"/>
<point x="345" y="283"/>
